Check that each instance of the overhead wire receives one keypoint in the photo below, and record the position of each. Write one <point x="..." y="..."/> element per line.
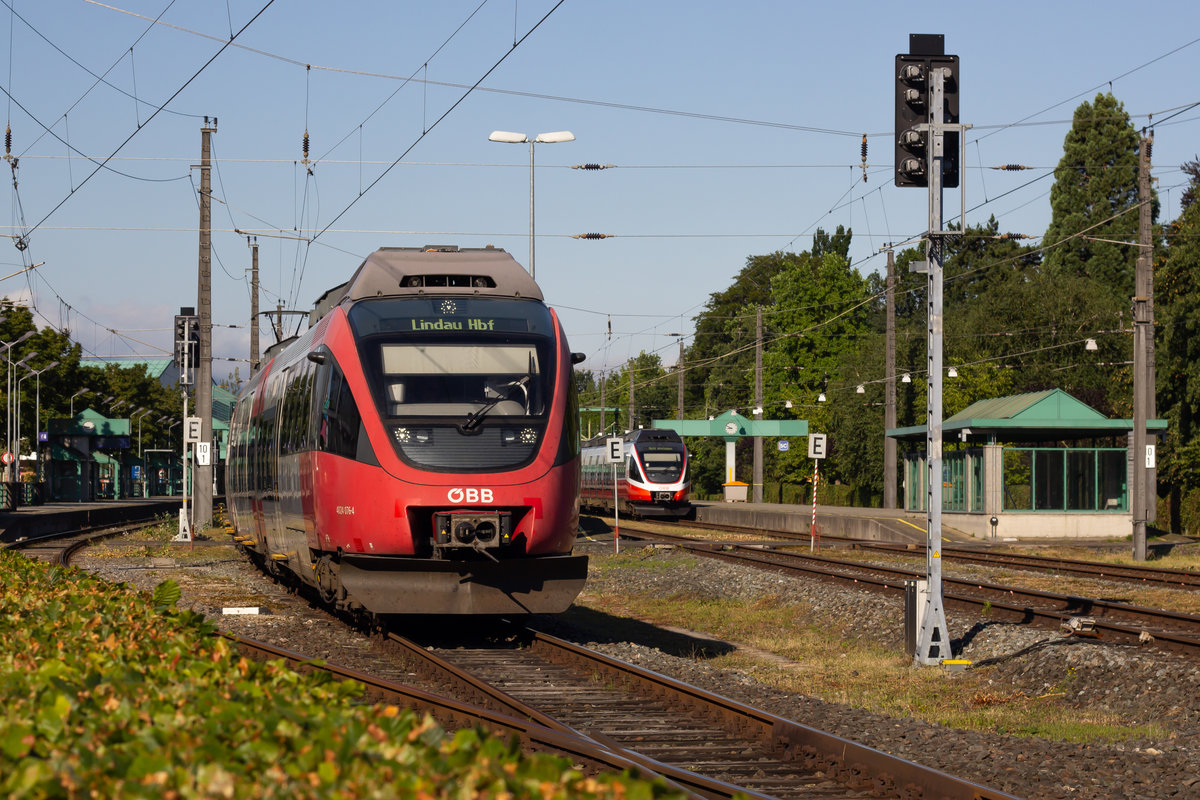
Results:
<point x="149" y="119"/>
<point x="26" y="231"/>
<point x="425" y="127"/>
<point x="76" y="62"/>
<point x="396" y="162"/>
<point x="445" y="114"/>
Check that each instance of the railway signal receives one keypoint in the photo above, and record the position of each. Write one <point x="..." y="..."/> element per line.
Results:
<point x="187" y="342"/>
<point x="914" y="111"/>
<point x="928" y="138"/>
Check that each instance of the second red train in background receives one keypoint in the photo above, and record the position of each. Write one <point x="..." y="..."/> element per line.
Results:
<point x="651" y="481"/>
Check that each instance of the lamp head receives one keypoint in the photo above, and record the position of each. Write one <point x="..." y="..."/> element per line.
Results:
<point x="508" y="137"/>
<point x="554" y="137"/>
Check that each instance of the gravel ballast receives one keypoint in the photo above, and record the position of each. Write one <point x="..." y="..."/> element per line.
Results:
<point x="1142" y="685"/>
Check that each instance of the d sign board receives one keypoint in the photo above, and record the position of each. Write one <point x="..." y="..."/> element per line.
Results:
<point x="816" y="445"/>
<point x="615" y="449"/>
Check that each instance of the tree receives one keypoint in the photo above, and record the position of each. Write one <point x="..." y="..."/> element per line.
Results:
<point x="821" y="312"/>
<point x="1094" y="199"/>
<point x="1177" y="289"/>
<point x="720" y="360"/>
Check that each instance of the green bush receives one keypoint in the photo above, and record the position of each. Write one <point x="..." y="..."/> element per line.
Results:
<point x="108" y="695"/>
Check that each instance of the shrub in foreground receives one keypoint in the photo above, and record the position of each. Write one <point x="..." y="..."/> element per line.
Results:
<point x="107" y="695"/>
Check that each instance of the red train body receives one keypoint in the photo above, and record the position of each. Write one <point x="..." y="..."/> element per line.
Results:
<point x="416" y="451"/>
<point x="651" y="482"/>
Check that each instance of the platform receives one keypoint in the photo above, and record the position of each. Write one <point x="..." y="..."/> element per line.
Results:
<point x="56" y="517"/>
<point x="874" y="524"/>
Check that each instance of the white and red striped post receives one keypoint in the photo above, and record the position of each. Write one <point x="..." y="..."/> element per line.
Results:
<point x="812" y="534"/>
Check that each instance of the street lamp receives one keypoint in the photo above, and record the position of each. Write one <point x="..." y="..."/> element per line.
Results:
<point x="81" y="391"/>
<point x="508" y="137"/>
<point x="8" y="346"/>
<point x="37" y="420"/>
<point x="13" y="406"/>
<point x="141" y="412"/>
<point x="17" y="404"/>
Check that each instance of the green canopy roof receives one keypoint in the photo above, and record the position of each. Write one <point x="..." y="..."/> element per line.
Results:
<point x="1048" y="415"/>
<point x="89" y="422"/>
<point x="732" y="425"/>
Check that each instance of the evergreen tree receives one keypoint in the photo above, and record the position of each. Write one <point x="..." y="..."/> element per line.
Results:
<point x="1094" y="198"/>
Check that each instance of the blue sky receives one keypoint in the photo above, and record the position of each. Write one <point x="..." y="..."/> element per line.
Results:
<point x="734" y="130"/>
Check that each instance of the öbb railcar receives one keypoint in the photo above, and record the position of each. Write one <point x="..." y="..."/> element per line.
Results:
<point x="652" y="481"/>
<point x="417" y="450"/>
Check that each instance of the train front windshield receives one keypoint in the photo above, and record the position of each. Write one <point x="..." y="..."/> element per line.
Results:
<point x="664" y="462"/>
<point x="464" y="384"/>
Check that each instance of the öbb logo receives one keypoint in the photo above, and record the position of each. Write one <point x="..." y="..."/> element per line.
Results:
<point x="460" y="495"/>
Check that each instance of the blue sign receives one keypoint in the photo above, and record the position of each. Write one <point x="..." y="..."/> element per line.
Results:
<point x="43" y="436"/>
<point x="137" y="472"/>
<point x="783" y="445"/>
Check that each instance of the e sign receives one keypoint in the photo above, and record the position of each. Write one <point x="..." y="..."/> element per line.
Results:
<point x="191" y="433"/>
<point x="816" y="445"/>
<point x="616" y="450"/>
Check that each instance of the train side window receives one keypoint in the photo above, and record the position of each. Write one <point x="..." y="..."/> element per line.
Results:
<point x="305" y="406"/>
<point x="340" y="421"/>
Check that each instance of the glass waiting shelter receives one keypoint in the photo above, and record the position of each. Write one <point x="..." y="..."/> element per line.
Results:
<point x="1042" y="464"/>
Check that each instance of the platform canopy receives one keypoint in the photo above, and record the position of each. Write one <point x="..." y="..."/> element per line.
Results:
<point x="1048" y="415"/>
<point x="89" y="422"/>
<point x="732" y="426"/>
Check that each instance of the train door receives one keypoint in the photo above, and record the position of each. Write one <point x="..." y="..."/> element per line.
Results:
<point x="254" y="480"/>
<point x="292" y="441"/>
<point x="272" y="496"/>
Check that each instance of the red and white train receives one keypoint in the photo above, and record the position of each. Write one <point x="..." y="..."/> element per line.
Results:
<point x="651" y="482"/>
<point x="417" y="450"/>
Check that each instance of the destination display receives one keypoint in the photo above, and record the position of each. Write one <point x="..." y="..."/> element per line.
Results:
<point x="468" y="324"/>
<point x="436" y="316"/>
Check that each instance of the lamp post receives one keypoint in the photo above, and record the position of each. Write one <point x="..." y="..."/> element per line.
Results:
<point x="30" y="372"/>
<point x="140" y="413"/>
<point x="8" y="346"/>
<point x="37" y="420"/>
<point x="508" y="137"/>
<point x="81" y="391"/>
<point x="13" y="422"/>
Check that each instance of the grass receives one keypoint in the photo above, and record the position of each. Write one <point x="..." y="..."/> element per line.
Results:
<point x="153" y="542"/>
<point x="782" y="645"/>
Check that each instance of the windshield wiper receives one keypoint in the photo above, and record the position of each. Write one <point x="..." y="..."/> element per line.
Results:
<point x="474" y="418"/>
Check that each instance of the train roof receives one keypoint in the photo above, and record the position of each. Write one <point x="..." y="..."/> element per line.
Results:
<point x="433" y="269"/>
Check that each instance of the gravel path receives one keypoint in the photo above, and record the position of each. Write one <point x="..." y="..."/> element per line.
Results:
<point x="1140" y="684"/>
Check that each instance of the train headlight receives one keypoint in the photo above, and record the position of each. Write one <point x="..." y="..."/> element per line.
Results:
<point x="414" y="436"/>
<point x="525" y="436"/>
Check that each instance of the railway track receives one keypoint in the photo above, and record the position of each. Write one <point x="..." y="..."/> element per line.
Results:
<point x="712" y="746"/>
<point x="57" y="548"/>
<point x="605" y="714"/>
<point x="1147" y="574"/>
<point x="1116" y="621"/>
